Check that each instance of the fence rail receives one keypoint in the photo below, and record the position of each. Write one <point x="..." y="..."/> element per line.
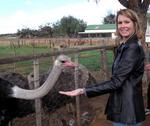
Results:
<point x="75" y="51"/>
<point x="9" y="60"/>
<point x="103" y="47"/>
<point x="54" y="42"/>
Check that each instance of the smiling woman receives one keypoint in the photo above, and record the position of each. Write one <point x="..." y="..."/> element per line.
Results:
<point x="125" y="103"/>
<point x="125" y="26"/>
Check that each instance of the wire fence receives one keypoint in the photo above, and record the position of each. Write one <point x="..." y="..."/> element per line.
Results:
<point x="53" y="102"/>
<point x="30" y="71"/>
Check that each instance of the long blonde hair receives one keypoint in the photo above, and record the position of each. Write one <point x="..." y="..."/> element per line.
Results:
<point x="133" y="16"/>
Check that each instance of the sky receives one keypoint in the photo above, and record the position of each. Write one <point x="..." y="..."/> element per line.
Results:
<point x="18" y="14"/>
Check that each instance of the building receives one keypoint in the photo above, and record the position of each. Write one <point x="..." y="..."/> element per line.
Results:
<point x="103" y="30"/>
<point x="147" y="39"/>
<point x="106" y="30"/>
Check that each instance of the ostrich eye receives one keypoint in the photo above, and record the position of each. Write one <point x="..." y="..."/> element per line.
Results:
<point x="63" y="61"/>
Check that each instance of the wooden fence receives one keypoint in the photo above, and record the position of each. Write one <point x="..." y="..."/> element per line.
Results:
<point x="67" y="47"/>
<point x="103" y="50"/>
<point x="55" y="42"/>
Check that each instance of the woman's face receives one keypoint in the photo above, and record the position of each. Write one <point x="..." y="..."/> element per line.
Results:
<point x="125" y="26"/>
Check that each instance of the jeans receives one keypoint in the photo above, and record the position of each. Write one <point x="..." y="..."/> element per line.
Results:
<point x="121" y="124"/>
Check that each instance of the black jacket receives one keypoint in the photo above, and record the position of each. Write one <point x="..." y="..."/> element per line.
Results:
<point x="125" y="103"/>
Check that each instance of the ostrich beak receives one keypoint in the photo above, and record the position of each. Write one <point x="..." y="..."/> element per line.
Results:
<point x="70" y="64"/>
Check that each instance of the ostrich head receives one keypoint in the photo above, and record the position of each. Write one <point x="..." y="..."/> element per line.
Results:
<point x="60" y="63"/>
<point x="64" y="61"/>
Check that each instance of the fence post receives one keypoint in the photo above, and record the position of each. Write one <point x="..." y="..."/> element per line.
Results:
<point x="104" y="66"/>
<point x="77" y="97"/>
<point x="14" y="49"/>
<point x="37" y="101"/>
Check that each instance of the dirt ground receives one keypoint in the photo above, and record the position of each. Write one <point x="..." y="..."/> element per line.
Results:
<point x="94" y="106"/>
<point x="92" y="114"/>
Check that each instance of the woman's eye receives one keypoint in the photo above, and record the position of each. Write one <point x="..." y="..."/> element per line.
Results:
<point x="127" y="22"/>
<point x="119" y="22"/>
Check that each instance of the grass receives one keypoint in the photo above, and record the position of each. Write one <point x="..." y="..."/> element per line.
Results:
<point x="90" y="59"/>
<point x="24" y="66"/>
<point x="8" y="51"/>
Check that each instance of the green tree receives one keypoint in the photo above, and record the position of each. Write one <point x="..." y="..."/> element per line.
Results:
<point x="27" y="33"/>
<point x="56" y="29"/>
<point x="69" y="26"/>
<point x="109" y="19"/>
<point x="46" y="31"/>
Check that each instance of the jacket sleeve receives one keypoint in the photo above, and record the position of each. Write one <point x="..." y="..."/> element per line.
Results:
<point x="130" y="57"/>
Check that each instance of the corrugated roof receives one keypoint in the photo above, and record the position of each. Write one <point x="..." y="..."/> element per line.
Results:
<point x="101" y="27"/>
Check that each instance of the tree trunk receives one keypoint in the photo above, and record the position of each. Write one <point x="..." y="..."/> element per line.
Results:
<point x="143" y="22"/>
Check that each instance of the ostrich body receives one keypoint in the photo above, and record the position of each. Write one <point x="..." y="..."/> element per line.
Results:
<point x="11" y="106"/>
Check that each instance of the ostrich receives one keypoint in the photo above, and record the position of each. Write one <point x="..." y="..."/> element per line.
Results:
<point x="59" y="110"/>
<point x="65" y="81"/>
<point x="14" y="99"/>
<point x="61" y="62"/>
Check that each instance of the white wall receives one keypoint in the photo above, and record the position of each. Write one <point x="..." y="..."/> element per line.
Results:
<point x="147" y="36"/>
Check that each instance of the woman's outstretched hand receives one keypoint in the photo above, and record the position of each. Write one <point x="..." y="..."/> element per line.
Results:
<point x="76" y="92"/>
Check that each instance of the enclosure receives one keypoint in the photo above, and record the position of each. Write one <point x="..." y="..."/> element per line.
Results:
<point x="36" y="57"/>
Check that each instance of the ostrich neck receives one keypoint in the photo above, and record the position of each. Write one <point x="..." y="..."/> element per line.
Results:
<point x="42" y="90"/>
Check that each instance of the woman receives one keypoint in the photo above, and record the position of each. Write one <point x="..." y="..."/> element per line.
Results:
<point x="125" y="104"/>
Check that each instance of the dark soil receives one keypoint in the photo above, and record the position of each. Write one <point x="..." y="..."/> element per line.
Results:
<point x="92" y="114"/>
